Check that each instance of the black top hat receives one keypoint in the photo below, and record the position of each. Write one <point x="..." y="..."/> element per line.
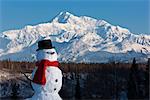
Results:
<point x="45" y="44"/>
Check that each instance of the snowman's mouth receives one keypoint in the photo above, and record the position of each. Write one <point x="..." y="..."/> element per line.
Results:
<point x="50" y="53"/>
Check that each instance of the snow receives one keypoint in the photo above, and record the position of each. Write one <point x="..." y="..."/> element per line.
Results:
<point x="74" y="37"/>
<point x="7" y="80"/>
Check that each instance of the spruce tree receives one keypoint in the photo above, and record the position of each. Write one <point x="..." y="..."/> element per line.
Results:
<point x="77" y="89"/>
<point x="14" y="91"/>
<point x="147" y="80"/>
<point x="132" y="81"/>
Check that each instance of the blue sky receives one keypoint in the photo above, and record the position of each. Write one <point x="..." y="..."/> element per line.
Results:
<point x="132" y="14"/>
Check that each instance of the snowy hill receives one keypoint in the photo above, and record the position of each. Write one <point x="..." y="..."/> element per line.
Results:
<point x="77" y="39"/>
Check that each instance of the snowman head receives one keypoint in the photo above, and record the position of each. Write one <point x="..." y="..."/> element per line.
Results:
<point x="46" y="50"/>
<point x="49" y="54"/>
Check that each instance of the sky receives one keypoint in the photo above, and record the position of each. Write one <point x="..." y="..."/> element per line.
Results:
<point x="131" y="14"/>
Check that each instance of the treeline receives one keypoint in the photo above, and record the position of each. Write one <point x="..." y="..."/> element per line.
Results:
<point x="17" y="66"/>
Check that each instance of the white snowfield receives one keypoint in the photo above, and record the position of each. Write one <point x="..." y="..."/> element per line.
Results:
<point x="77" y="39"/>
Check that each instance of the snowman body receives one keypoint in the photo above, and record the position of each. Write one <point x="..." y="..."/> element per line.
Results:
<point x="53" y="75"/>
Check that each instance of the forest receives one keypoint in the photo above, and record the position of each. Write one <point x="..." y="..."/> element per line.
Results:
<point x="118" y="81"/>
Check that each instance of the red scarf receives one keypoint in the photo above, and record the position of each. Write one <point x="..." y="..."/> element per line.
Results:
<point x="39" y="76"/>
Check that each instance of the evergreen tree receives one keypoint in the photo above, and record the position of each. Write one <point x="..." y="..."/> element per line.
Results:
<point x="148" y="65"/>
<point x="14" y="91"/>
<point x="132" y="81"/>
<point x="147" y="80"/>
<point x="77" y="89"/>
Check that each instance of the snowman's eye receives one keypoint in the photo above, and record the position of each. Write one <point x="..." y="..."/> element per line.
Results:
<point x="54" y="89"/>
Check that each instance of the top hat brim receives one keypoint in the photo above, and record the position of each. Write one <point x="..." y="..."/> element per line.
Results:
<point x="44" y="48"/>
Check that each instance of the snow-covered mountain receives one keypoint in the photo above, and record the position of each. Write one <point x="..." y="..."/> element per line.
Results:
<point x="77" y="39"/>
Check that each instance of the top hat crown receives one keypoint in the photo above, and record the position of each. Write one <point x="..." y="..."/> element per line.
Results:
<point x="45" y="44"/>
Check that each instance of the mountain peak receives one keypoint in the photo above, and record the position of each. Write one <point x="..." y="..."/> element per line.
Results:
<point x="63" y="17"/>
<point x="65" y="13"/>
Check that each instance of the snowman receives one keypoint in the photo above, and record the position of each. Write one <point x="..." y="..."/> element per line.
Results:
<point x="46" y="77"/>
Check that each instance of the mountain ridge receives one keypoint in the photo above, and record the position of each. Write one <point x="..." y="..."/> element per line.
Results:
<point x="77" y="39"/>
